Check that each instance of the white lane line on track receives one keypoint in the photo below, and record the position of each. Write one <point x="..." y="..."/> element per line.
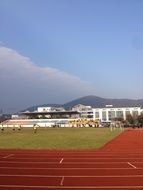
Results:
<point x="72" y="187"/>
<point x="73" y="176"/>
<point x="10" y="155"/>
<point x="131" y="165"/>
<point x="21" y="162"/>
<point x="62" y="181"/>
<point x="82" y="158"/>
<point x="27" y="168"/>
<point x="61" y="160"/>
<point x="79" y="159"/>
<point x="15" y="162"/>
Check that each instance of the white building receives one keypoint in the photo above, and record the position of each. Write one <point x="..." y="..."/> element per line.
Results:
<point x="49" y="109"/>
<point x="107" y="113"/>
<point x="110" y="112"/>
<point x="80" y="107"/>
<point x="85" y="111"/>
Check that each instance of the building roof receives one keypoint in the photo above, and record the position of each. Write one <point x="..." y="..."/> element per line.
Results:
<point x="110" y="107"/>
<point x="50" y="113"/>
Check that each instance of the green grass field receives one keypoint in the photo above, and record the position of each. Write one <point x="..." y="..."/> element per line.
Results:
<point x="57" y="138"/>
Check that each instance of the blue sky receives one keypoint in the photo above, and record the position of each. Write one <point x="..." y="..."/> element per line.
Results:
<point x="53" y="51"/>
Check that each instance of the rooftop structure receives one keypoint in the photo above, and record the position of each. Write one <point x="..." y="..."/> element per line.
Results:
<point x="50" y="109"/>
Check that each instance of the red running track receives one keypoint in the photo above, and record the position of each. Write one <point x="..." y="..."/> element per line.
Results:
<point x="116" y="166"/>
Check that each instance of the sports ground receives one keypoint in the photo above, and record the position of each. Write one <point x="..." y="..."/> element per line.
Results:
<point x="117" y="165"/>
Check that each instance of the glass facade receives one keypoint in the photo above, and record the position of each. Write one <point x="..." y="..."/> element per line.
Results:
<point x="104" y="115"/>
<point x="119" y="114"/>
<point x="97" y="114"/>
<point x="111" y="115"/>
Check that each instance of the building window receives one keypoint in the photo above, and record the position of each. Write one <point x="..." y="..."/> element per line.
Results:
<point x="104" y="116"/>
<point x="119" y="114"/>
<point x="96" y="114"/>
<point x="111" y="115"/>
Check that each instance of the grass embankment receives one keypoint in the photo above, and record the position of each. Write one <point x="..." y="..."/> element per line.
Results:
<point x="57" y="138"/>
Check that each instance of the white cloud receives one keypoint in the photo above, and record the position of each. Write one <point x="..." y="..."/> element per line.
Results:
<point x="24" y="84"/>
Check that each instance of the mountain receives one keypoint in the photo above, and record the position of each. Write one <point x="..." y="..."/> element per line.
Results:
<point x="94" y="101"/>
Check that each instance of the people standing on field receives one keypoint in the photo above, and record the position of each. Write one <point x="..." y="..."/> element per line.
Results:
<point x="19" y="127"/>
<point x="35" y="128"/>
<point x="13" y="128"/>
<point x="2" y="128"/>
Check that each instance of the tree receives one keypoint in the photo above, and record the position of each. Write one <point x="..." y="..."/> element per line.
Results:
<point x="140" y="119"/>
<point x="130" y="119"/>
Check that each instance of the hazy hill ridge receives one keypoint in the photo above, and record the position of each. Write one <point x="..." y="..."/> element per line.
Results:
<point x="94" y="101"/>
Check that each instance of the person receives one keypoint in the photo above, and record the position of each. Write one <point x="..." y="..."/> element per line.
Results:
<point x="35" y="128"/>
<point x="13" y="128"/>
<point x="19" y="127"/>
<point x="2" y="128"/>
<point x="110" y="126"/>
